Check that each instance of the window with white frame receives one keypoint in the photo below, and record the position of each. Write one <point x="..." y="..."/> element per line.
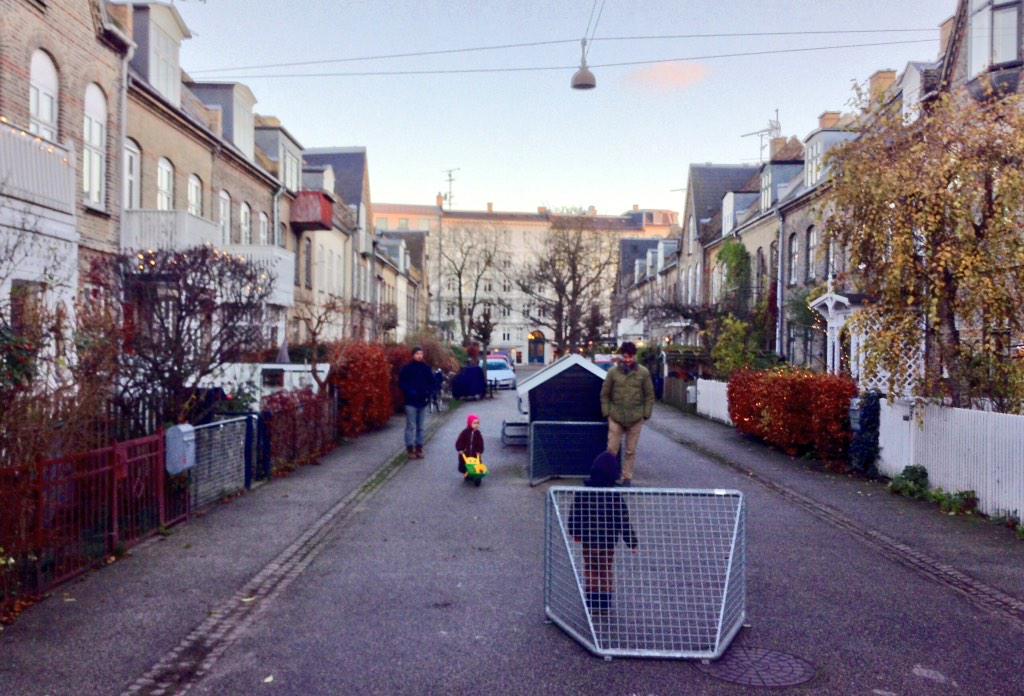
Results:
<point x="450" y="310"/>
<point x="164" y="73"/>
<point x="320" y="268"/>
<point x="766" y="189"/>
<point x="506" y="336"/>
<point x="506" y="310"/>
<point x="813" y="166"/>
<point x="164" y="184"/>
<point x="282" y="230"/>
<point x="264" y="233"/>
<point x="488" y="286"/>
<point x="506" y="285"/>
<point x="994" y="35"/>
<point x="382" y="223"/>
<point x="309" y="264"/>
<point x="245" y="222"/>
<point x="812" y="252"/>
<point x="292" y="175"/>
<point x="94" y="146"/>
<point x="195" y="195"/>
<point x="403" y="223"/>
<point x="43" y="93"/>
<point x="792" y="272"/>
<point x="693" y="234"/>
<point x="224" y="216"/>
<point x="132" y="175"/>
<point x="425" y="224"/>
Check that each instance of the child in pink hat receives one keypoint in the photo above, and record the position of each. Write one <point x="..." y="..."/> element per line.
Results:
<point x="470" y="442"/>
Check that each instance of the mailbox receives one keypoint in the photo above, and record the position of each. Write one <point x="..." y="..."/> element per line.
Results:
<point x="180" y="449"/>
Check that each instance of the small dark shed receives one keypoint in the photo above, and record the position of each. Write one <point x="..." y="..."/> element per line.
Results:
<point x="568" y="389"/>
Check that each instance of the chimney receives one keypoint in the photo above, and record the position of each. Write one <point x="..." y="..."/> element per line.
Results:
<point x="542" y="210"/>
<point x="828" y="119"/>
<point x="879" y="84"/>
<point x="122" y="16"/>
<point x="636" y="208"/>
<point x="490" y="207"/>
<point x="776" y="145"/>
<point x="945" y="31"/>
<point x="440" y="200"/>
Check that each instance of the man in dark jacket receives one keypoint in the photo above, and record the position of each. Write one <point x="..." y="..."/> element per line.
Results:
<point x="627" y="400"/>
<point x="417" y="383"/>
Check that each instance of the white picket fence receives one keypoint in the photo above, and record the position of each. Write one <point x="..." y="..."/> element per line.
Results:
<point x="961" y="449"/>
<point x="713" y="400"/>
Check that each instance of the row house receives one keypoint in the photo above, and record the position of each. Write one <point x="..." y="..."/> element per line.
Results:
<point x="63" y="80"/>
<point x="648" y="279"/>
<point x="192" y="172"/>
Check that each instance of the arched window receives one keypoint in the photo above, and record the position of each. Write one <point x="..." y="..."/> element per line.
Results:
<point x="794" y="259"/>
<point x="224" y="216"/>
<point x="132" y="175"/>
<point x="812" y="252"/>
<point x="245" y="222"/>
<point x="282" y="231"/>
<point x="94" y="147"/>
<point x="195" y="195"/>
<point x="308" y="254"/>
<point x="264" y="229"/>
<point x="43" y="93"/>
<point x="320" y="258"/>
<point x="164" y="184"/>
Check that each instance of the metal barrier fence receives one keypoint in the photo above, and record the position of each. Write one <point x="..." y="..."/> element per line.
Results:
<point x="646" y="572"/>
<point x="60" y="517"/>
<point x="221" y="451"/>
<point x="564" y="449"/>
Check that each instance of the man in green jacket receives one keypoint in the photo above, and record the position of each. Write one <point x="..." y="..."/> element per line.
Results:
<point x="627" y="399"/>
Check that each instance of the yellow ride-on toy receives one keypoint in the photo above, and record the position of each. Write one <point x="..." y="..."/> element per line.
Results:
<point x="475" y="469"/>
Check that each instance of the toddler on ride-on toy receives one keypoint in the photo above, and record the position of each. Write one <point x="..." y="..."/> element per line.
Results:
<point x="470" y="446"/>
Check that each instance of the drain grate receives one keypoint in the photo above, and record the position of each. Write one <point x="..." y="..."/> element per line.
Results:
<point x="759" y="667"/>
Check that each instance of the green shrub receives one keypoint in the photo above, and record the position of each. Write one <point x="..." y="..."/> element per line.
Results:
<point x="912" y="483"/>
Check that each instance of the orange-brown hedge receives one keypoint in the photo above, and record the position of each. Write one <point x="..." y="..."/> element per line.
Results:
<point x="362" y="376"/>
<point x="794" y="410"/>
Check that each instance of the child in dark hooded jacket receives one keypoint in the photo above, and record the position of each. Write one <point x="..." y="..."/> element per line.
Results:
<point x="470" y="442"/>
<point x="599" y="518"/>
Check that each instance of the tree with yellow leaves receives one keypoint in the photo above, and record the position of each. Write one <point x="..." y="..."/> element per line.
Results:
<point x="930" y="212"/>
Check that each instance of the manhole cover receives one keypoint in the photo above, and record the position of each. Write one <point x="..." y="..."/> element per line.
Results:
<point x="759" y="667"/>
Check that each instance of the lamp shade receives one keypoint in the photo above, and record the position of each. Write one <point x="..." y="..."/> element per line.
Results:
<point x="584" y="79"/>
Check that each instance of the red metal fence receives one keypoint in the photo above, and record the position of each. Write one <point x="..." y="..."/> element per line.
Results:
<point x="60" y="517"/>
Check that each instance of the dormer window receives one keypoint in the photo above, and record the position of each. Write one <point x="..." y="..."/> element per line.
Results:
<point x="766" y="190"/>
<point x="994" y="34"/>
<point x="291" y="172"/>
<point x="164" y="73"/>
<point x="813" y="167"/>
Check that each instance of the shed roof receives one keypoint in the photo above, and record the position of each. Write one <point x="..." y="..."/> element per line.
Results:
<point x="556" y="368"/>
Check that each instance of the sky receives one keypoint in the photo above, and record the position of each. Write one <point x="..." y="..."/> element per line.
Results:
<point x="524" y="139"/>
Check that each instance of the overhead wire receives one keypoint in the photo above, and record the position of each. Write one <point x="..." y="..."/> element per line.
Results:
<point x="552" y="42"/>
<point x="513" y="69"/>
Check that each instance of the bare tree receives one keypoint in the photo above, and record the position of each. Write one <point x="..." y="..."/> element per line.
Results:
<point x="574" y="270"/>
<point x="186" y="314"/>
<point x="470" y="261"/>
<point x="319" y="320"/>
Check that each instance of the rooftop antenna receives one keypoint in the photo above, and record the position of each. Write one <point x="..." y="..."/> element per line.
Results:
<point x="450" y="179"/>
<point x="774" y="130"/>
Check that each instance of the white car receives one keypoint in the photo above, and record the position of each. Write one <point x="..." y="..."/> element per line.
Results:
<point x="499" y="372"/>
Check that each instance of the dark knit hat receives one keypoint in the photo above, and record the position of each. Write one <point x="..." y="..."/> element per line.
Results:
<point x="604" y="471"/>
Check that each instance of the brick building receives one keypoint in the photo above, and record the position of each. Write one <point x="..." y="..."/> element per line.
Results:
<point x="63" y="73"/>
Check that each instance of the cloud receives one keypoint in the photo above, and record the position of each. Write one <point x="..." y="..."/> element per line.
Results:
<point x="668" y="77"/>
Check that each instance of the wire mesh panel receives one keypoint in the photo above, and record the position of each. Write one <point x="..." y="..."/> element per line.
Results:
<point x="220" y="461"/>
<point x="646" y="572"/>
<point x="565" y="449"/>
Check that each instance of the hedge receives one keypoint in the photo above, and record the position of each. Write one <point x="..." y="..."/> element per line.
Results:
<point x="795" y="410"/>
<point x="362" y="376"/>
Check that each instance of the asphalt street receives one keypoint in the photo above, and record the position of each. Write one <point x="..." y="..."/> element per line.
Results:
<point x="433" y="586"/>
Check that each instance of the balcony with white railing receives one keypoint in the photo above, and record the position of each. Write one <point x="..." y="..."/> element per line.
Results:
<point x="178" y="230"/>
<point x="277" y="261"/>
<point x="37" y="182"/>
<point x="166" y="229"/>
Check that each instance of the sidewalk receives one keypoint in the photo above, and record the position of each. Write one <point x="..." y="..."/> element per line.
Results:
<point x="969" y="544"/>
<point x="99" y="633"/>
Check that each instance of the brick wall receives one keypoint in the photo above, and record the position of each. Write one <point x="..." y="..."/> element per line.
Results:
<point x="70" y="32"/>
